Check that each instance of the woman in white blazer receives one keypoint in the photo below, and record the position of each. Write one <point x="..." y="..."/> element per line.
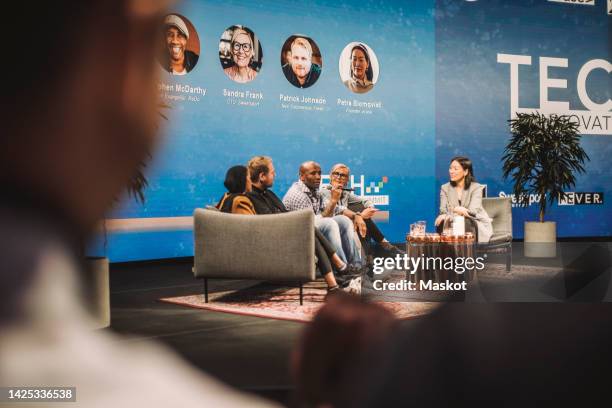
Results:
<point x="462" y="195"/>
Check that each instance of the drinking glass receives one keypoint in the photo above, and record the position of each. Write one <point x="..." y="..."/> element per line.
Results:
<point x="447" y="228"/>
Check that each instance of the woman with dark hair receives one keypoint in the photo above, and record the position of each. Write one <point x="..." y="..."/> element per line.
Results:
<point x="462" y="195"/>
<point x="361" y="70"/>
<point x="235" y="201"/>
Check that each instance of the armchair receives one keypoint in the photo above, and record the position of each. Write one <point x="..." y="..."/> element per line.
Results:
<point x="500" y="210"/>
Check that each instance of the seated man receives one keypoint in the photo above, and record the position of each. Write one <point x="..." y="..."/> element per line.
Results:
<point x="359" y="208"/>
<point x="337" y="228"/>
<point x="261" y="172"/>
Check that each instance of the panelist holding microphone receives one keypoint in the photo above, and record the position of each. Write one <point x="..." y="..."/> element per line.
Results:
<point x="357" y="208"/>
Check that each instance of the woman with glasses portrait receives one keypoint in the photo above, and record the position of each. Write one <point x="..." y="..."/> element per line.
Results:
<point x="242" y="53"/>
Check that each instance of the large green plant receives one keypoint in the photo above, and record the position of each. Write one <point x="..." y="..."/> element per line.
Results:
<point x="542" y="157"/>
<point x="138" y="184"/>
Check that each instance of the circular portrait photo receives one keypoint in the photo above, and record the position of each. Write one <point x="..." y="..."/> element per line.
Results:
<point x="180" y="48"/>
<point x="301" y="61"/>
<point x="358" y="67"/>
<point x="240" y="54"/>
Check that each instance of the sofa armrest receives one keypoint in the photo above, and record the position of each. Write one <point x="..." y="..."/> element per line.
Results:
<point x="276" y="247"/>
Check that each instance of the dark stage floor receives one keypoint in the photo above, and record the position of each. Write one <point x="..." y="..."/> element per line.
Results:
<point x="250" y="353"/>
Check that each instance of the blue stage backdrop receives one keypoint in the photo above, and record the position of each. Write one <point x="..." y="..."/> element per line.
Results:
<point x="442" y="88"/>
<point x="477" y="43"/>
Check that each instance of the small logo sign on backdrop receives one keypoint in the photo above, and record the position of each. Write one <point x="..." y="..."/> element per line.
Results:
<point x="578" y="2"/>
<point x="370" y="191"/>
<point x="609" y="7"/>
<point x="576" y="198"/>
<point x="527" y="199"/>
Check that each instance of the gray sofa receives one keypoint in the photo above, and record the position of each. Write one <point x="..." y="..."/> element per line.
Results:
<point x="277" y="247"/>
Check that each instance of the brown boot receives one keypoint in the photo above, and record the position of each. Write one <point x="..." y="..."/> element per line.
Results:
<point x="392" y="249"/>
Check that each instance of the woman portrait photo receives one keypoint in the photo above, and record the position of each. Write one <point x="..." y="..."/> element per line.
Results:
<point x="240" y="54"/>
<point x="358" y="67"/>
<point x="180" y="49"/>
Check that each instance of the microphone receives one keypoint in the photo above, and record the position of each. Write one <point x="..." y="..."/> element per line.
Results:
<point x="329" y="187"/>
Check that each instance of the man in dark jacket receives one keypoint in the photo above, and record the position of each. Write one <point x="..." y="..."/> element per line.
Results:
<point x="262" y="173"/>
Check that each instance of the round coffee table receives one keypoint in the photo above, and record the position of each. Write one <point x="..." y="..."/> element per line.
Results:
<point x="435" y="249"/>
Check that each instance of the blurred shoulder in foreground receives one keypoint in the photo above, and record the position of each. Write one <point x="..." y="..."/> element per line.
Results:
<point x="79" y="115"/>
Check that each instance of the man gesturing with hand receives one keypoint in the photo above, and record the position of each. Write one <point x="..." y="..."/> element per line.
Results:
<point x="341" y="200"/>
<point x="332" y="206"/>
<point x="336" y="227"/>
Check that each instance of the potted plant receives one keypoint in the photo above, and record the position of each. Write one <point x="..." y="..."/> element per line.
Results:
<point x="97" y="283"/>
<point x="542" y="158"/>
<point x="97" y="279"/>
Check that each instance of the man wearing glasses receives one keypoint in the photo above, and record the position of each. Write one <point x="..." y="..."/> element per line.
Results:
<point x="336" y="227"/>
<point x="340" y="201"/>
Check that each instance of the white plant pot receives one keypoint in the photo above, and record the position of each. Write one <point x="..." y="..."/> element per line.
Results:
<point x="540" y="239"/>
<point x="99" y="294"/>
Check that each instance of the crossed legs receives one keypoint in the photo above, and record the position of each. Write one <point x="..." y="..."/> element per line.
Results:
<point x="340" y="232"/>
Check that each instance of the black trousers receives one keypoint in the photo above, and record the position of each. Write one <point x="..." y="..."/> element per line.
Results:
<point x="373" y="233"/>
<point x="325" y="244"/>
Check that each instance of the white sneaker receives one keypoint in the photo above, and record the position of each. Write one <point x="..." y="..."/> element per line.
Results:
<point x="354" y="286"/>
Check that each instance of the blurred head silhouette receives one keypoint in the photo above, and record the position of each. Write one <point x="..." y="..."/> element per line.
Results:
<point x="344" y="342"/>
<point x="80" y="108"/>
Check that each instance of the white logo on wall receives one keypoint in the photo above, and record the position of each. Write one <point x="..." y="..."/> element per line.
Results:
<point x="596" y="120"/>
<point x="529" y="199"/>
<point x="568" y="198"/>
<point x="574" y="198"/>
<point x="609" y="7"/>
<point x="579" y="2"/>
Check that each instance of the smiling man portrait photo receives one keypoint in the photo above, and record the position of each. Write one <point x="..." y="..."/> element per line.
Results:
<point x="176" y="58"/>
<point x="301" y="71"/>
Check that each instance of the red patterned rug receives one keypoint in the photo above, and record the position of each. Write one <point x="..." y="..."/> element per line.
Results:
<point x="282" y="302"/>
